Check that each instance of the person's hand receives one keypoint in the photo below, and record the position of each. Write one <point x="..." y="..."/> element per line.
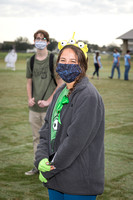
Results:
<point x="42" y="179"/>
<point x="42" y="103"/>
<point x="31" y="102"/>
<point x="45" y="166"/>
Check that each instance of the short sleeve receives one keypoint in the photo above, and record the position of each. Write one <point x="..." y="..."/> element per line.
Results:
<point x="28" y="69"/>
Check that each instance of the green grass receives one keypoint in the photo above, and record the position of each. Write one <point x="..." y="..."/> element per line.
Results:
<point x="16" y="151"/>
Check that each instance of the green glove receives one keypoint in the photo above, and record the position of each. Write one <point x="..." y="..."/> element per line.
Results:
<point x="42" y="179"/>
<point x="44" y="165"/>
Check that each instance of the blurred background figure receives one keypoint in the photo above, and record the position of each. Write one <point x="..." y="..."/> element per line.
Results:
<point x="116" y="64"/>
<point x="10" y="59"/>
<point x="97" y="64"/>
<point x="127" y="59"/>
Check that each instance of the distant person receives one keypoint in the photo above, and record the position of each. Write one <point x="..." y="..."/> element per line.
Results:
<point x="11" y="59"/>
<point x="127" y="59"/>
<point x="42" y="83"/>
<point x="97" y="64"/>
<point x="116" y="64"/>
<point x="70" y="155"/>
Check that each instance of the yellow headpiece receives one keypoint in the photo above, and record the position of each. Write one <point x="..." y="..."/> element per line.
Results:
<point x="72" y="41"/>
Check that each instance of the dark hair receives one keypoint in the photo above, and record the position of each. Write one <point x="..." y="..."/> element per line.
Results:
<point x="82" y="61"/>
<point x="44" y="33"/>
<point x="115" y="49"/>
<point x="97" y="54"/>
<point x="128" y="51"/>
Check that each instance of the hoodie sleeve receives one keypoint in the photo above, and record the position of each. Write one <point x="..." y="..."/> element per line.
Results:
<point x="86" y="119"/>
<point x="42" y="148"/>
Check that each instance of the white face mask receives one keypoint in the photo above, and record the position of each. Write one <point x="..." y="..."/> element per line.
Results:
<point x="40" y="44"/>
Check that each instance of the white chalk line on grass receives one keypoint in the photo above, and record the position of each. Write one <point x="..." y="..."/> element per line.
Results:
<point x="16" y="147"/>
<point x="119" y="126"/>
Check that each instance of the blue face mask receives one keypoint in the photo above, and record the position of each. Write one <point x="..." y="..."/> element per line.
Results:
<point x="40" y="44"/>
<point x="68" y="72"/>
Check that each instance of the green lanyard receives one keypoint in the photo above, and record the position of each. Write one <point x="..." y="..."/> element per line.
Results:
<point x="60" y="105"/>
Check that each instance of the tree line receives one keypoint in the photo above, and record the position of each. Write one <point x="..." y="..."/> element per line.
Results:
<point x="22" y="44"/>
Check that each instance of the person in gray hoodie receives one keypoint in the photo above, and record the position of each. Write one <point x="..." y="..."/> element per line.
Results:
<point x="70" y="155"/>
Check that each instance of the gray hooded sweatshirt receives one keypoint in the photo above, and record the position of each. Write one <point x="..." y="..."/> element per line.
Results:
<point x="79" y="143"/>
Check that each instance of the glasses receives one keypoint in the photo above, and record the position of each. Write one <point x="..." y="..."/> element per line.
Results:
<point x="42" y="39"/>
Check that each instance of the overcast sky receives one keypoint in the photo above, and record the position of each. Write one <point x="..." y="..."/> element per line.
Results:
<point x="99" y="22"/>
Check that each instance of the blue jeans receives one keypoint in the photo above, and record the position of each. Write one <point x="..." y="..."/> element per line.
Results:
<point x="55" y="195"/>
<point x="127" y="68"/>
<point x="113" y="68"/>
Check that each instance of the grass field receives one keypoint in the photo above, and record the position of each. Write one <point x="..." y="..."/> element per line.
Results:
<point x="16" y="153"/>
